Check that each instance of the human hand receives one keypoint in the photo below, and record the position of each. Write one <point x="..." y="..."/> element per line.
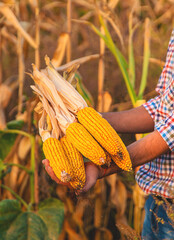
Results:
<point x="50" y="172"/>
<point x="93" y="173"/>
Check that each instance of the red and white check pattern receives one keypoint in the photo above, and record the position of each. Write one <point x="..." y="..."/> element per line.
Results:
<point x="157" y="176"/>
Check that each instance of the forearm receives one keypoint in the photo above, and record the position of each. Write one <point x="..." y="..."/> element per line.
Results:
<point x="141" y="152"/>
<point x="136" y="120"/>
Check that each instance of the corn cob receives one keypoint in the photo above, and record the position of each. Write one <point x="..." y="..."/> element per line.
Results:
<point x="54" y="152"/>
<point x="85" y="143"/>
<point x="76" y="161"/>
<point x="101" y="130"/>
<point x="122" y="160"/>
<point x="49" y="131"/>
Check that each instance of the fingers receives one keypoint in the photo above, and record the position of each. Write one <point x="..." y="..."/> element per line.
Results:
<point x="92" y="173"/>
<point x="50" y="172"/>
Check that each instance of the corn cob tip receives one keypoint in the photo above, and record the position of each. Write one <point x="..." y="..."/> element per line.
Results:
<point x="65" y="177"/>
<point x="102" y="161"/>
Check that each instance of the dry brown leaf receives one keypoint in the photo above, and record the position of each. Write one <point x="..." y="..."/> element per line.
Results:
<point x="77" y="61"/>
<point x="22" y="116"/>
<point x="118" y="196"/>
<point x="139" y="201"/>
<point x="71" y="232"/>
<point x="8" y="35"/>
<point x="80" y="208"/>
<point x="24" y="147"/>
<point x="2" y="119"/>
<point x="9" y="2"/>
<point x="120" y="201"/>
<point x="107" y="233"/>
<point x="5" y="95"/>
<point x="7" y="12"/>
<point x="14" y="173"/>
<point x="107" y="101"/>
<point x="61" y="191"/>
<point x="21" y="177"/>
<point x="113" y="3"/>
<point x="60" y="50"/>
<point x="33" y="3"/>
<point x="23" y="185"/>
<point x="50" y="6"/>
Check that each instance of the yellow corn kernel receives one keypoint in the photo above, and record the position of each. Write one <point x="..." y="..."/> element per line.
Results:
<point x="85" y="143"/>
<point x="101" y="130"/>
<point x="58" y="161"/>
<point x="76" y="161"/>
<point x="122" y="160"/>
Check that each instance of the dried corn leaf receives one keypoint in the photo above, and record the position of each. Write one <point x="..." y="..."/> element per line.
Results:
<point x="69" y="74"/>
<point x="50" y="6"/>
<point x="7" y="12"/>
<point x="71" y="232"/>
<point x="107" y="101"/>
<point x="8" y="35"/>
<point x="118" y="196"/>
<point x="24" y="147"/>
<point x="60" y="50"/>
<point x="2" y="119"/>
<point x="9" y="2"/>
<point x="39" y="108"/>
<point x="24" y="184"/>
<point x="5" y="95"/>
<point x="77" y="61"/>
<point x="14" y="173"/>
<point x="33" y="3"/>
<point x="113" y="3"/>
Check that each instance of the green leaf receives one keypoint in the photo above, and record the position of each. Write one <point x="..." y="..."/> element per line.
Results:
<point x="122" y="63"/>
<point x="84" y="91"/>
<point x="7" y="139"/>
<point x="27" y="226"/>
<point x="145" y="59"/>
<point x="9" y="210"/>
<point x="52" y="213"/>
<point x="15" y="124"/>
<point x="2" y="168"/>
<point x="6" y="142"/>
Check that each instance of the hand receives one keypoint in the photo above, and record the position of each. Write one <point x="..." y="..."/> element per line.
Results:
<point x="50" y="172"/>
<point x="92" y="174"/>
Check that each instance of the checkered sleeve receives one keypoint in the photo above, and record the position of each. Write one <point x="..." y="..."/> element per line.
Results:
<point x="166" y="129"/>
<point x="152" y="105"/>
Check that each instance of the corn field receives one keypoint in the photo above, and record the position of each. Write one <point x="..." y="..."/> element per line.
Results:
<point x="119" y="49"/>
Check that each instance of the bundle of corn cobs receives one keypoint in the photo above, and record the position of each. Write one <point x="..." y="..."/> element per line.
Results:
<point x="70" y="129"/>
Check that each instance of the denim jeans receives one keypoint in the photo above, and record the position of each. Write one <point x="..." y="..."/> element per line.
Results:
<point x="157" y="225"/>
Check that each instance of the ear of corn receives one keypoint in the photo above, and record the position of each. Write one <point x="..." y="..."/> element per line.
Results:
<point x="101" y="130"/>
<point x="76" y="161"/>
<point x="54" y="152"/>
<point x="122" y="160"/>
<point x="85" y="143"/>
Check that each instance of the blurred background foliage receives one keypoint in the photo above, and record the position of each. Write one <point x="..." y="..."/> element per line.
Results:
<point x="136" y="34"/>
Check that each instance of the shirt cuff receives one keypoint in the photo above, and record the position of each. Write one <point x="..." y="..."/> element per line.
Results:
<point x="152" y="105"/>
<point x="166" y="129"/>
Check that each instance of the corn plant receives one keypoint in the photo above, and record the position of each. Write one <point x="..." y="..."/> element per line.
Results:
<point x="127" y="68"/>
<point x="18" y="218"/>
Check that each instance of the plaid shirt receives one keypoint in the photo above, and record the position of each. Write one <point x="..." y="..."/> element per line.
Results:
<point x="157" y="176"/>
